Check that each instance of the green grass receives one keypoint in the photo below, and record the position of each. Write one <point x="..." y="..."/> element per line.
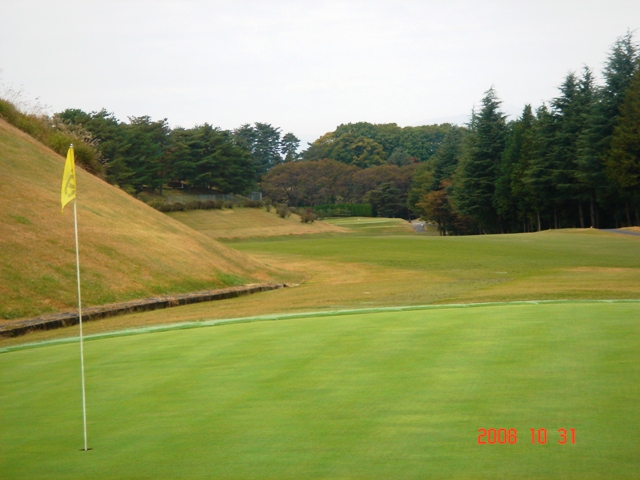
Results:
<point x="385" y="395"/>
<point x="518" y="251"/>
<point x="418" y="269"/>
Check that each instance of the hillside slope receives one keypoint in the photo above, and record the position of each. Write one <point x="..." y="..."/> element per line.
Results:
<point x="249" y="222"/>
<point x="127" y="249"/>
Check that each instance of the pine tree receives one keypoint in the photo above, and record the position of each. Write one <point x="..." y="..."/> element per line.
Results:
<point x="595" y="142"/>
<point x="623" y="162"/>
<point x="569" y="112"/>
<point x="289" y="147"/>
<point x="479" y="167"/>
<point x="539" y="177"/>
<point x="512" y="198"/>
<point x="589" y="174"/>
<point x="263" y="142"/>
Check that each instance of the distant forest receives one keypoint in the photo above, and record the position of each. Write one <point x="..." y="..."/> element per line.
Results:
<point x="573" y="162"/>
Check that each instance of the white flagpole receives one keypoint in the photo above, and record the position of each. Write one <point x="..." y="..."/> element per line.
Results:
<point x="84" y="401"/>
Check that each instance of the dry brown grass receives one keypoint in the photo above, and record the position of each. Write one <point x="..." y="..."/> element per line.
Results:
<point x="127" y="249"/>
<point x="249" y="222"/>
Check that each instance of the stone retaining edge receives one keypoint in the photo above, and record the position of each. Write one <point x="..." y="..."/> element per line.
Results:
<point x="16" y="328"/>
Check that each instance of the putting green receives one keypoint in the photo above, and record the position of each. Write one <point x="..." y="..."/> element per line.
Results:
<point x="377" y="395"/>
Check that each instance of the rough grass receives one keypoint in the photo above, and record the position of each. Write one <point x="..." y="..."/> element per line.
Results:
<point x="388" y="395"/>
<point x="127" y="249"/>
<point x="249" y="222"/>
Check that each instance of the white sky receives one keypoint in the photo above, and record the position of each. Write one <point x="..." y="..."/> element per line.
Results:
<point x="303" y="66"/>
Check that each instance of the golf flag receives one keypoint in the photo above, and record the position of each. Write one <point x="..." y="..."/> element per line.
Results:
<point x="67" y="194"/>
<point x="68" y="179"/>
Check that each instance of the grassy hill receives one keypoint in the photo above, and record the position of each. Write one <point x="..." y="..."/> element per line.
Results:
<point x="127" y="249"/>
<point x="249" y="222"/>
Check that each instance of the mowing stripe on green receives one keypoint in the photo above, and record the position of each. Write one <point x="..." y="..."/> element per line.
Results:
<point x="384" y="395"/>
<point x="288" y="316"/>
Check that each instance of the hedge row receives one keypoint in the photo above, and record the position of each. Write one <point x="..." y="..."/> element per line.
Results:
<point x="203" y="205"/>
<point x="344" y="210"/>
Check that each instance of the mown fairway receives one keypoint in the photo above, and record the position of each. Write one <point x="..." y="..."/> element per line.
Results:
<point x="410" y="269"/>
<point x="371" y="270"/>
<point x="382" y="395"/>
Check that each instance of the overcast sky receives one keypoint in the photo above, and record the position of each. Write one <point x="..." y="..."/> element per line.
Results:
<point x="303" y="66"/>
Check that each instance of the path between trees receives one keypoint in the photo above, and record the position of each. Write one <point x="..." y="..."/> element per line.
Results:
<point x="624" y="232"/>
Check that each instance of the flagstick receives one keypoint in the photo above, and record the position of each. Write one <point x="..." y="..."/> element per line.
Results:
<point x="84" y="401"/>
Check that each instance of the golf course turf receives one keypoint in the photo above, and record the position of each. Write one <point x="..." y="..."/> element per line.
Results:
<point x="394" y="394"/>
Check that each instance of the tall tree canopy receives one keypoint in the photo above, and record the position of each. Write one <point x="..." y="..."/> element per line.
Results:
<point x="574" y="162"/>
<point x="206" y="157"/>
<point x="479" y="167"/>
<point x="365" y="144"/>
<point x="623" y="161"/>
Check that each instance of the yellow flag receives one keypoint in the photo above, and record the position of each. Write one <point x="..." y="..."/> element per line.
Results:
<point x="68" y="179"/>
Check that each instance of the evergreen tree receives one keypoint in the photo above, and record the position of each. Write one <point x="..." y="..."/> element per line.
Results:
<point x="103" y="126"/>
<point x="445" y="161"/>
<point x="539" y="177"/>
<point x="289" y="147"/>
<point x="479" y="167"/>
<point x="512" y="199"/>
<point x="623" y="161"/>
<point x="399" y="157"/>
<point x="595" y="142"/>
<point x="263" y="142"/>
<point x="141" y="160"/>
<point x="207" y="157"/>
<point x="368" y="144"/>
<point x="589" y="173"/>
<point x="385" y="201"/>
<point x="266" y="149"/>
<point x="569" y="112"/>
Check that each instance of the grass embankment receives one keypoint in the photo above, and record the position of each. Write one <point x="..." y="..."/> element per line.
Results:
<point x="240" y="223"/>
<point x="127" y="249"/>
<point x="388" y="395"/>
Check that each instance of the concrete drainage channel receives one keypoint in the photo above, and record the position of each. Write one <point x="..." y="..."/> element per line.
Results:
<point x="57" y="320"/>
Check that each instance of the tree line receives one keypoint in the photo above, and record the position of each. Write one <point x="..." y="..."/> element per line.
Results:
<point x="328" y="181"/>
<point x="143" y="154"/>
<point x="367" y="145"/>
<point x="358" y="163"/>
<point x="574" y="162"/>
